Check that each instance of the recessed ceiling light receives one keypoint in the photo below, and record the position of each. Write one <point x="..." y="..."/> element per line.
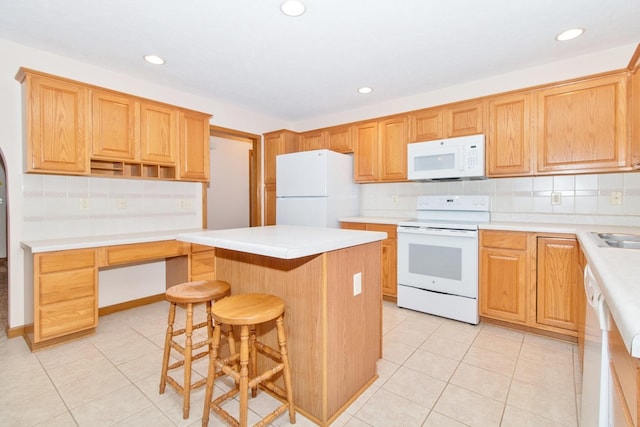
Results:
<point x="365" y="89"/>
<point x="569" y="34"/>
<point x="154" y="59"/>
<point x="292" y="8"/>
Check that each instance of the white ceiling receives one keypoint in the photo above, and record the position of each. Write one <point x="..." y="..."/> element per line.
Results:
<point x="247" y="53"/>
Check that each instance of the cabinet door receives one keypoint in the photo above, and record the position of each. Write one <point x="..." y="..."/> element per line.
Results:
<point x="114" y="125"/>
<point x="558" y="282"/>
<point x="194" y="146"/>
<point x="276" y="143"/>
<point x="583" y="126"/>
<point x="427" y="125"/>
<point x="635" y="123"/>
<point x="340" y="139"/>
<point x="509" y="136"/>
<point x="57" y="125"/>
<point x="312" y="141"/>
<point x="464" y="119"/>
<point x="393" y="149"/>
<point x="158" y="133"/>
<point x="270" y="204"/>
<point x="504" y="276"/>
<point x="366" y="153"/>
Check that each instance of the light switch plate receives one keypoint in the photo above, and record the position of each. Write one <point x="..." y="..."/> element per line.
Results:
<point x="357" y="284"/>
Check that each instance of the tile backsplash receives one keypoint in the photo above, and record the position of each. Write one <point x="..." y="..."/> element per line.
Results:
<point x="57" y="206"/>
<point x="584" y="199"/>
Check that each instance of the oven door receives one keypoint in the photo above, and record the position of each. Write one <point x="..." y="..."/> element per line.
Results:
<point x="440" y="260"/>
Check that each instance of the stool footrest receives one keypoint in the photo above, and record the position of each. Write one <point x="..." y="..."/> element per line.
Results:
<point x="269" y="351"/>
<point x="253" y="382"/>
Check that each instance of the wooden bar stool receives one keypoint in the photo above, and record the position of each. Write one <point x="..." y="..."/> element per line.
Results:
<point x="189" y="294"/>
<point x="247" y="311"/>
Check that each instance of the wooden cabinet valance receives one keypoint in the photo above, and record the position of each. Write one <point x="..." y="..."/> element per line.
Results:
<point x="78" y="129"/>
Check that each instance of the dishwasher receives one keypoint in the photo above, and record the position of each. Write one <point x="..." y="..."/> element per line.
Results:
<point x="596" y="377"/>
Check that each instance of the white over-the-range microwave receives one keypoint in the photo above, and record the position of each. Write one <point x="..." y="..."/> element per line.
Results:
<point x="447" y="159"/>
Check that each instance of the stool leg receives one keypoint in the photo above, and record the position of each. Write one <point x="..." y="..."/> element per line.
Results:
<point x="244" y="375"/>
<point x="209" y="323"/>
<point x="282" y="341"/>
<point x="253" y="358"/>
<point x="167" y="347"/>
<point x="187" y="362"/>
<point x="211" y="375"/>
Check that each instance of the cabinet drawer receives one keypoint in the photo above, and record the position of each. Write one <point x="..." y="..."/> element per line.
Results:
<point x="353" y="225"/>
<point x="51" y="262"/>
<point x="503" y="240"/>
<point x="67" y="285"/>
<point x="72" y="316"/>
<point x="203" y="263"/>
<point x="114" y="255"/>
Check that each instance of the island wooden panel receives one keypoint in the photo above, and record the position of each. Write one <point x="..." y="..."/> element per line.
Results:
<point x="333" y="336"/>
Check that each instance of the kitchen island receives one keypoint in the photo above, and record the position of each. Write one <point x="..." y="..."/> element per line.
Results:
<point x="330" y="282"/>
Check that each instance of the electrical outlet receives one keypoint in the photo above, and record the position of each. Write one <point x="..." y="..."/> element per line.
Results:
<point x="122" y="204"/>
<point x="84" y="204"/>
<point x="357" y="284"/>
<point x="556" y="198"/>
<point x="394" y="199"/>
<point x="615" y="198"/>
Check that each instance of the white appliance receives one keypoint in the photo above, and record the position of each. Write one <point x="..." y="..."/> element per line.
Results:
<point x="315" y="188"/>
<point x="447" y="159"/>
<point x="438" y="257"/>
<point x="596" y="376"/>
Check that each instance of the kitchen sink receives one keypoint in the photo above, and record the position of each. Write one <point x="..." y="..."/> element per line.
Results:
<point x="617" y="240"/>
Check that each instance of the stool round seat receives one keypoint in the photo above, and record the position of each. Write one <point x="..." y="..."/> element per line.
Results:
<point x="247" y="309"/>
<point x="198" y="291"/>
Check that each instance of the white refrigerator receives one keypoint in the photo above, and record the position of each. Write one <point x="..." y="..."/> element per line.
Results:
<point x="315" y="188"/>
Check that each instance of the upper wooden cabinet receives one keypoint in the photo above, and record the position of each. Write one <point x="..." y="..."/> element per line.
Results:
<point x="427" y="125"/>
<point x="460" y="119"/>
<point x="340" y="139"/>
<point x="365" y="162"/>
<point x="583" y="126"/>
<point x="508" y="137"/>
<point x="194" y="146"/>
<point x="381" y="150"/>
<point x="312" y="141"/>
<point x="464" y="118"/>
<point x="115" y="126"/>
<point x="158" y="132"/>
<point x="275" y="143"/>
<point x="634" y="116"/>
<point x="75" y="128"/>
<point x="57" y="124"/>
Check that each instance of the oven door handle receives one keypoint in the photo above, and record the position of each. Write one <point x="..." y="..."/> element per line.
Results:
<point x="437" y="231"/>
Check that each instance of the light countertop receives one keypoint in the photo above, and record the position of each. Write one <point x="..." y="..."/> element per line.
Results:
<point x="374" y="219"/>
<point x="50" y="245"/>
<point x="282" y="241"/>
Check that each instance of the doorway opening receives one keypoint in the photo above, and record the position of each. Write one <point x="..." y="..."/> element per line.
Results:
<point x="4" y="265"/>
<point x="255" y="171"/>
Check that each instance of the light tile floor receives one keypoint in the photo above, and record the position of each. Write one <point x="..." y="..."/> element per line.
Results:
<point x="435" y="372"/>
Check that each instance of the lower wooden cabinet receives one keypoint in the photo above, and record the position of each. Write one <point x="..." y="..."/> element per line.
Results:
<point x="625" y="376"/>
<point x="505" y="275"/>
<point x="65" y="293"/>
<point x="389" y="255"/>
<point x="530" y="279"/>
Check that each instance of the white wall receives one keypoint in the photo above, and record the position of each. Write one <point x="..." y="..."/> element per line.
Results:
<point x="228" y="191"/>
<point x="11" y="145"/>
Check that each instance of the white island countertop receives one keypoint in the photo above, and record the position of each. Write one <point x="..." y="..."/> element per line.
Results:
<point x="282" y="241"/>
